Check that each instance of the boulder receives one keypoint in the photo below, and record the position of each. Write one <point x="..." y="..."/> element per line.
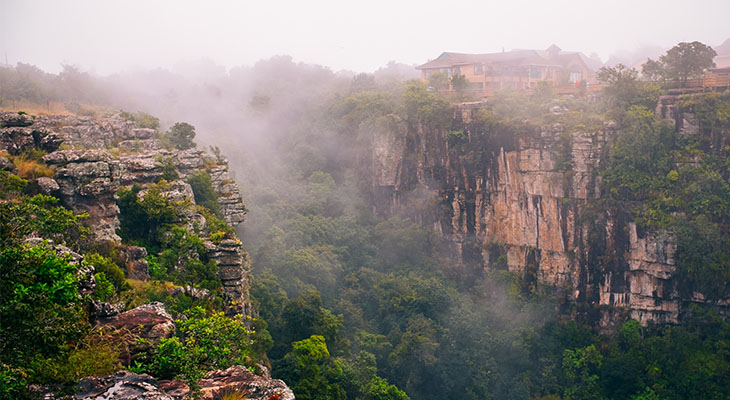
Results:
<point x="240" y="379"/>
<point x="11" y="119"/>
<point x="123" y="385"/>
<point x="138" y="330"/>
<point x="47" y="185"/>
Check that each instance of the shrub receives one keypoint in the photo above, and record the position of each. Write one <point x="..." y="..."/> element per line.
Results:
<point x="181" y="136"/>
<point x="141" y="220"/>
<point x="40" y="306"/>
<point x="111" y="270"/>
<point x="142" y="119"/>
<point x="202" y="342"/>
<point x="204" y="193"/>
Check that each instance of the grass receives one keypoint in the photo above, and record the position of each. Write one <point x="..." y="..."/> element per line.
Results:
<point x="51" y="107"/>
<point x="30" y="166"/>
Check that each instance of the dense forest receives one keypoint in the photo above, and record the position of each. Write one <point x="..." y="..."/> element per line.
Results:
<point x="350" y="304"/>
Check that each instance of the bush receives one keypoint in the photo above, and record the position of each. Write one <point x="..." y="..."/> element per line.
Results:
<point x="204" y="193"/>
<point x="142" y="220"/>
<point x="143" y="120"/>
<point x="181" y="136"/>
<point x="111" y="270"/>
<point x="40" y="306"/>
<point x="202" y="342"/>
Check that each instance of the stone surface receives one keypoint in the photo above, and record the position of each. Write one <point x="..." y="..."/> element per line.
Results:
<point x="243" y="381"/>
<point x="101" y="156"/>
<point x="149" y="322"/>
<point x="123" y="385"/>
<point x="13" y="119"/>
<point x="47" y="185"/>
<point x="137" y="267"/>
<point x="522" y="198"/>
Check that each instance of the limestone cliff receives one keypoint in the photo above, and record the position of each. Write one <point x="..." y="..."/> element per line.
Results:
<point x="94" y="157"/>
<point x="520" y="198"/>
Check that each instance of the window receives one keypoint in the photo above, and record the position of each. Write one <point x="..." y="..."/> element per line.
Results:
<point x="535" y="73"/>
<point x="478" y="69"/>
<point x="457" y="70"/>
<point x="575" y="77"/>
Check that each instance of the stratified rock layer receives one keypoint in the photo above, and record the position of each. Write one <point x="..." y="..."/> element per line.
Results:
<point x="518" y="200"/>
<point x="102" y="155"/>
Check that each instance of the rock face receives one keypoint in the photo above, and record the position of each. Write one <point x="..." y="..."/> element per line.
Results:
<point x="123" y="385"/>
<point x="243" y="381"/>
<point x="517" y="200"/>
<point x="102" y="155"/>
<point x="126" y="385"/>
<point x="235" y="273"/>
<point x="137" y="330"/>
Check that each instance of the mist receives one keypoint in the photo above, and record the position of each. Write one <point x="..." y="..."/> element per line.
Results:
<point x="296" y="96"/>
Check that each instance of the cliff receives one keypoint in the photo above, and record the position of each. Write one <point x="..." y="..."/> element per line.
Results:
<point x="525" y="198"/>
<point x="93" y="158"/>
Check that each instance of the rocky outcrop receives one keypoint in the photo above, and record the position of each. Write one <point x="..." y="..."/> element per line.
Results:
<point x="102" y="155"/>
<point x="88" y="181"/>
<point x="235" y="273"/>
<point x="136" y="331"/>
<point x="123" y="385"/>
<point x="126" y="385"/>
<point x="240" y="380"/>
<point x="517" y="198"/>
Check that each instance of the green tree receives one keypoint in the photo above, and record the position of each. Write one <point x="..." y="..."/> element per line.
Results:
<point x="686" y="60"/>
<point x="459" y="83"/>
<point x="204" y="192"/>
<point x="580" y="367"/>
<point x="312" y="372"/>
<point x="653" y="70"/>
<point x="181" y="136"/>
<point x="438" y="80"/>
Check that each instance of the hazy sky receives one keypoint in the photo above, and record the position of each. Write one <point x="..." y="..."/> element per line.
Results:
<point x="109" y="36"/>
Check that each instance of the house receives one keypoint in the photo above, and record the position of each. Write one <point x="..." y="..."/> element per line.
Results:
<point x="518" y="69"/>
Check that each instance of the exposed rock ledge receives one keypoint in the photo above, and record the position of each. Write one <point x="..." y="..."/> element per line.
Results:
<point x="125" y="385"/>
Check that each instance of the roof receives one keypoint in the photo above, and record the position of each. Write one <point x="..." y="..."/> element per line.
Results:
<point x="719" y="70"/>
<point x="551" y="56"/>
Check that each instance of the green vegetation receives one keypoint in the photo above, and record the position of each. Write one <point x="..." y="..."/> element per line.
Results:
<point x="204" y="193"/>
<point x="181" y="136"/>
<point x="355" y="306"/>
<point x="142" y="119"/>
<point x="681" y="63"/>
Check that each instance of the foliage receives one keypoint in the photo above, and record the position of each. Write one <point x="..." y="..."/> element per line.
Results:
<point x="425" y="107"/>
<point x="142" y="119"/>
<point x="311" y="371"/>
<point x="169" y="170"/>
<point x="204" y="193"/>
<point x="30" y="166"/>
<point x="202" y="342"/>
<point x="142" y="219"/>
<point x="624" y="90"/>
<point x="40" y="311"/>
<point x="459" y="83"/>
<point x="184" y="260"/>
<point x="438" y="80"/>
<point x="39" y="215"/>
<point x="686" y="60"/>
<point x="112" y="272"/>
<point x="181" y="136"/>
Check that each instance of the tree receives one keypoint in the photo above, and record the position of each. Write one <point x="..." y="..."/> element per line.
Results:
<point x="181" y="136"/>
<point x="653" y="70"/>
<point x="459" y="83"/>
<point x="438" y="81"/>
<point x="686" y="60"/>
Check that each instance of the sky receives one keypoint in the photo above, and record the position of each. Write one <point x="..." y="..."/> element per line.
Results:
<point x="104" y="36"/>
